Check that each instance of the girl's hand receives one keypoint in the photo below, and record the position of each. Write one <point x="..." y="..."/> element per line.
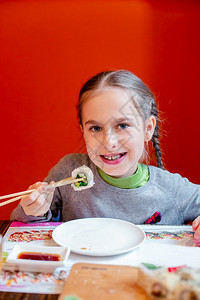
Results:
<point x="196" y="228"/>
<point x="38" y="202"/>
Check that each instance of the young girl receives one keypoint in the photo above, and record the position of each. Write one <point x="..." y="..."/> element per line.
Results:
<point x="118" y="118"/>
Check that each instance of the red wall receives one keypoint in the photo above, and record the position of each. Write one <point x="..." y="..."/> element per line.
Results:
<point x="49" y="48"/>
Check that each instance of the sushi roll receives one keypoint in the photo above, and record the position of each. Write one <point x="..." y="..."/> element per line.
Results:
<point x="189" y="285"/>
<point x="87" y="175"/>
<point x="158" y="283"/>
<point x="183" y="283"/>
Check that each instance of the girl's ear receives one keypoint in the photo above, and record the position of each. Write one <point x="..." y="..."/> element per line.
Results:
<point x="81" y="127"/>
<point x="150" y="127"/>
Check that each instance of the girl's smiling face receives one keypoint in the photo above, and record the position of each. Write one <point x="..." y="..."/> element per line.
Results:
<point x="114" y="131"/>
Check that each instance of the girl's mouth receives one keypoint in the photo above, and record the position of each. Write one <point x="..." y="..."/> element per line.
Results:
<point x="114" y="158"/>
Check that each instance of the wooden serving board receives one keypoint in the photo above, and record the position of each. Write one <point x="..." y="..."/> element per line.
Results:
<point x="102" y="282"/>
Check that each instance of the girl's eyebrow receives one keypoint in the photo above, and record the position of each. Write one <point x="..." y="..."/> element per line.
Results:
<point x="92" y="122"/>
<point x="121" y="120"/>
<point x="114" y="120"/>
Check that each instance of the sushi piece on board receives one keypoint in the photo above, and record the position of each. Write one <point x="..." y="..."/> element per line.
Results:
<point x="181" y="283"/>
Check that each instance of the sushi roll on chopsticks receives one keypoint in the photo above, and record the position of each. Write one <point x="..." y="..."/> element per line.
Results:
<point x="87" y="175"/>
<point x="83" y="173"/>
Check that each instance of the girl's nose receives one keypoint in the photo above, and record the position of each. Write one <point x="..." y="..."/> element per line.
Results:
<point x="110" y="140"/>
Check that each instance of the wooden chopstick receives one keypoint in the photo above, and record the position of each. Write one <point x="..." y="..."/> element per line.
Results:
<point x="17" y="194"/>
<point x="30" y="191"/>
<point x="11" y="200"/>
<point x="25" y="193"/>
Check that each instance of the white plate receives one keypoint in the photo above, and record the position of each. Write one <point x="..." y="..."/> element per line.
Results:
<point x="37" y="265"/>
<point x="98" y="236"/>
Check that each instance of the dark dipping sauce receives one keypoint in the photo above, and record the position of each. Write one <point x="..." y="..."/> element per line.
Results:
<point x="39" y="256"/>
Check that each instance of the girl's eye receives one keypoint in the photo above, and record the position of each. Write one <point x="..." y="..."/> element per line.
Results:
<point x="123" y="126"/>
<point x="95" y="128"/>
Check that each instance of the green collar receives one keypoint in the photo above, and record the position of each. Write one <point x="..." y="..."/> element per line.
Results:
<point x="136" y="180"/>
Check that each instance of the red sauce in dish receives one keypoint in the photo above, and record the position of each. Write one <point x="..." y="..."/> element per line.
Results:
<point x="39" y="256"/>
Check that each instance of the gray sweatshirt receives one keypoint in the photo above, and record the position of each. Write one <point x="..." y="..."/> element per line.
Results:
<point x="174" y="197"/>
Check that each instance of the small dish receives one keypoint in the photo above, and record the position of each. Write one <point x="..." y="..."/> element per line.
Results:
<point x="33" y="265"/>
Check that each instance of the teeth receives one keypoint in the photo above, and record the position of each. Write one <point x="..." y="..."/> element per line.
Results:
<point x="112" y="157"/>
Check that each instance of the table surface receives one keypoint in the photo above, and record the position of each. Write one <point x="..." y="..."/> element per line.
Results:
<point x="151" y="251"/>
<point x="4" y="225"/>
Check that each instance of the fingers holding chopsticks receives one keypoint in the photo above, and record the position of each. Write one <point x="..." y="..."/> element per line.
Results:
<point x="38" y="202"/>
<point x="41" y="187"/>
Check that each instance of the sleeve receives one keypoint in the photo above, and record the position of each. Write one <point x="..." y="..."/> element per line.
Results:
<point x="57" y="173"/>
<point x="53" y="214"/>
<point x="18" y="214"/>
<point x="61" y="170"/>
<point x="192" y="205"/>
<point x="188" y="198"/>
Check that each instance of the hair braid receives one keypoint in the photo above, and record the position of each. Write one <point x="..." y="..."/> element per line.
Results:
<point x="155" y="137"/>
